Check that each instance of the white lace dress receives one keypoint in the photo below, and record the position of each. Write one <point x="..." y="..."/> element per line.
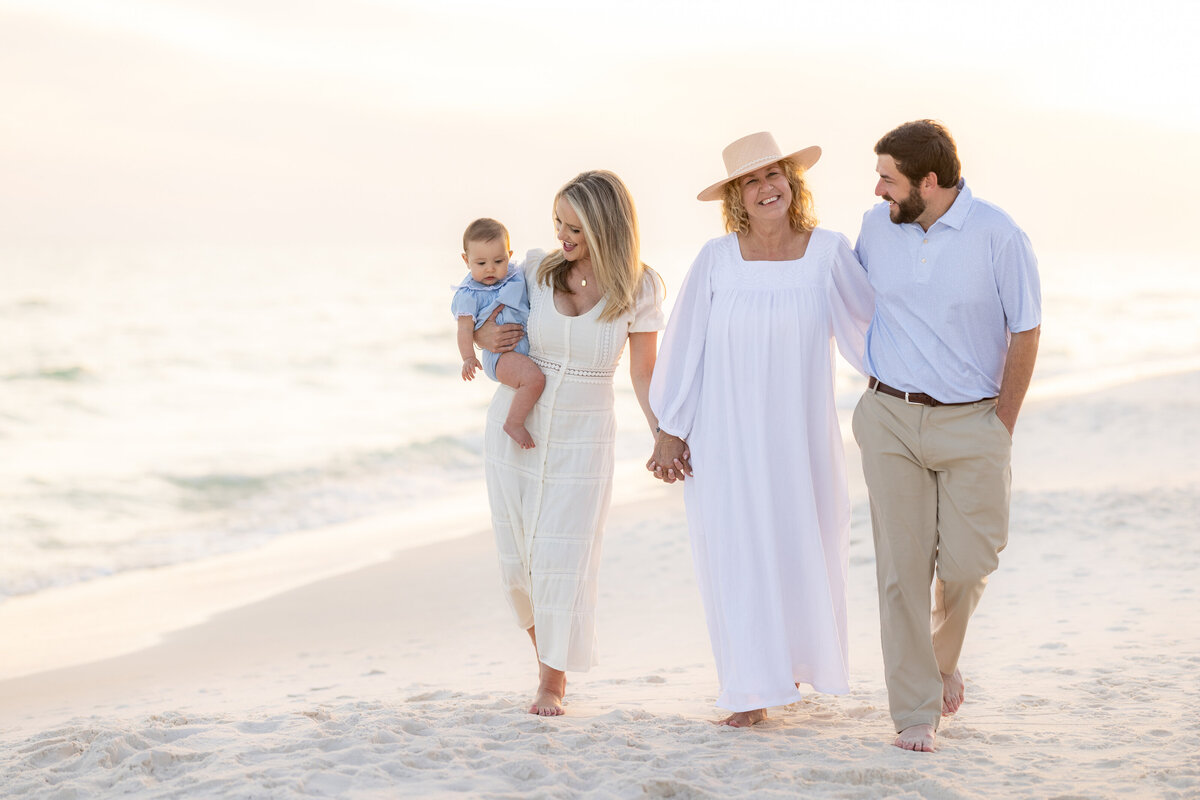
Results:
<point x="549" y="504"/>
<point x="745" y="374"/>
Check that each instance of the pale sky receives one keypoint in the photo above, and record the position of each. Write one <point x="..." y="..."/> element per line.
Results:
<point x="394" y="123"/>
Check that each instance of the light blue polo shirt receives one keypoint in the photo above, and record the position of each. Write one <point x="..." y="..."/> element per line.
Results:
<point x="946" y="299"/>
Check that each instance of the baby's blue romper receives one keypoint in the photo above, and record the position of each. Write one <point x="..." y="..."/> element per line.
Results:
<point x="478" y="300"/>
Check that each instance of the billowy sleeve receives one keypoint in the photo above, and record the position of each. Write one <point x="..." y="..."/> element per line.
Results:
<point x="851" y="304"/>
<point x="679" y="370"/>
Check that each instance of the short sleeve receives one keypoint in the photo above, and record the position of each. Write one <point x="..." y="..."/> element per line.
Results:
<point x="860" y="245"/>
<point x="647" y="309"/>
<point x="529" y="265"/>
<point x="1018" y="283"/>
<point x="463" y="303"/>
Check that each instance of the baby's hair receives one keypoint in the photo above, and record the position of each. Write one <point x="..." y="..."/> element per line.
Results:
<point x="485" y="229"/>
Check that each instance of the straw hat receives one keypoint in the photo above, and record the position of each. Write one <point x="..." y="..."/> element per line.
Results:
<point x="752" y="152"/>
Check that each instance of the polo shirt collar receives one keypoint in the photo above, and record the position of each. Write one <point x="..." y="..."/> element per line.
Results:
<point x="956" y="215"/>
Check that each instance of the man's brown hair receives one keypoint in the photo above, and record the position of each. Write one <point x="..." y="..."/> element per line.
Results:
<point x="922" y="147"/>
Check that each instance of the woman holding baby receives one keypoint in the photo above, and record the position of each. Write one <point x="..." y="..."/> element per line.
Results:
<point x="743" y="394"/>
<point x="549" y="502"/>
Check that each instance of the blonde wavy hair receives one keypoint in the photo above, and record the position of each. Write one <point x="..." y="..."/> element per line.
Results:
<point x="610" y="227"/>
<point x="802" y="213"/>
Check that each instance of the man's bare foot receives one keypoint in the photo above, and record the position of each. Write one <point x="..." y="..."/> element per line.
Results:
<point x="744" y="719"/>
<point x="519" y="435"/>
<point x="916" y="737"/>
<point x="953" y="692"/>
<point x="552" y="687"/>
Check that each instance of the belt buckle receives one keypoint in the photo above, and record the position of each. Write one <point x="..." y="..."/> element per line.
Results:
<point x="912" y="402"/>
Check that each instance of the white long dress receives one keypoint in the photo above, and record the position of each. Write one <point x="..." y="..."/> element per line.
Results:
<point x="549" y="503"/>
<point x="745" y="375"/>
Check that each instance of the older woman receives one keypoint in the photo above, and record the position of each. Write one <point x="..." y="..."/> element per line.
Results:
<point x="549" y="503"/>
<point x="743" y="392"/>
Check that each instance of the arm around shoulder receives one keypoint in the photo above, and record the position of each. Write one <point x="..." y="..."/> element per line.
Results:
<point x="851" y="304"/>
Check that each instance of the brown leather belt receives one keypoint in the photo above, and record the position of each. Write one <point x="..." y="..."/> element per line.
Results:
<point x="914" y="398"/>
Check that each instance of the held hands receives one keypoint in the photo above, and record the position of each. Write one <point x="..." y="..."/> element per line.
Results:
<point x="470" y="367"/>
<point x="498" y="338"/>
<point x="671" y="460"/>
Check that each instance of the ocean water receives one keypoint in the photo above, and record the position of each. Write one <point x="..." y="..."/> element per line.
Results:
<point x="160" y="405"/>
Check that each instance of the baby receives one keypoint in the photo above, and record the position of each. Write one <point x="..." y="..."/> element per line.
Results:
<point x="494" y="281"/>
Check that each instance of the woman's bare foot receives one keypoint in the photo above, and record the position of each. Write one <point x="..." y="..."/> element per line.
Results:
<point x="547" y="704"/>
<point x="954" y="689"/>
<point x="552" y="687"/>
<point x="744" y="719"/>
<point x="519" y="434"/>
<point x="916" y="737"/>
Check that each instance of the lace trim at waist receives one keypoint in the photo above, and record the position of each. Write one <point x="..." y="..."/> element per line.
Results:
<point x="554" y="366"/>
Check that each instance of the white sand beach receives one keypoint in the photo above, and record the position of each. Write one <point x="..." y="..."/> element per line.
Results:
<point x="330" y="666"/>
<point x="244" y="541"/>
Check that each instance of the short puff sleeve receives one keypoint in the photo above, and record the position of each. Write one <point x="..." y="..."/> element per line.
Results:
<point x="463" y="303"/>
<point x="529" y="265"/>
<point x="647" y="309"/>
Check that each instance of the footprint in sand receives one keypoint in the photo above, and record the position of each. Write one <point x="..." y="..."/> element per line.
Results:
<point x="54" y="752"/>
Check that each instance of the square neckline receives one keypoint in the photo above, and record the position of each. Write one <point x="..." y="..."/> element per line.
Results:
<point x="737" y="247"/>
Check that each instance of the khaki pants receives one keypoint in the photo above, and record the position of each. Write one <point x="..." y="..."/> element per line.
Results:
<point x="938" y="479"/>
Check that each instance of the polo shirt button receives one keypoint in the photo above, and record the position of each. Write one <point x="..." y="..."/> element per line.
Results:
<point x="922" y="261"/>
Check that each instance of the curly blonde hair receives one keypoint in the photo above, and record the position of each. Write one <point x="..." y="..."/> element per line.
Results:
<point x="802" y="213"/>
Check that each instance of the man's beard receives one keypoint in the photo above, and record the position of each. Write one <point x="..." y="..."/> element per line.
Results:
<point x="909" y="209"/>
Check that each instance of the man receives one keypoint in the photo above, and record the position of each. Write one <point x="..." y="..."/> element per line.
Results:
<point x="951" y="349"/>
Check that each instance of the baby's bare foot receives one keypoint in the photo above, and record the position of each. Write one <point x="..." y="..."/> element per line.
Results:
<point x="519" y="435"/>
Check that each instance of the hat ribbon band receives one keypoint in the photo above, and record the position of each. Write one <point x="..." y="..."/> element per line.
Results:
<point x="749" y="165"/>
